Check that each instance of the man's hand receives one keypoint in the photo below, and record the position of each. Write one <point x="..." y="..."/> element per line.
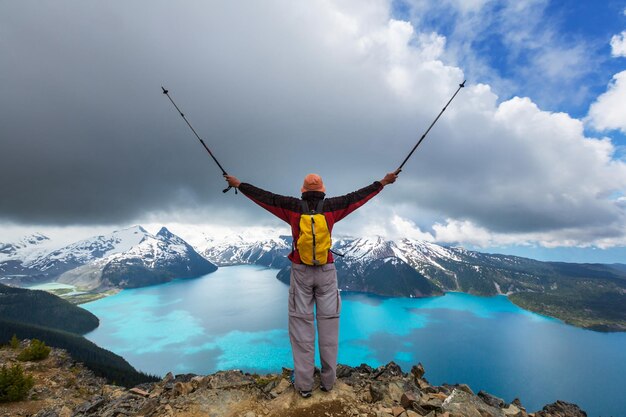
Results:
<point x="232" y="181"/>
<point x="390" y="178"/>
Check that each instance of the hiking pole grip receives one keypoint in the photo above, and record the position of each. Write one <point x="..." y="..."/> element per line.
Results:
<point x="225" y="190"/>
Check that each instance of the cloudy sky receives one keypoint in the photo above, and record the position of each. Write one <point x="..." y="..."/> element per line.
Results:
<point x="529" y="159"/>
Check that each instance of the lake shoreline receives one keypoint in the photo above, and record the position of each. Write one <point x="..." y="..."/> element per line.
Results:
<point x="571" y="317"/>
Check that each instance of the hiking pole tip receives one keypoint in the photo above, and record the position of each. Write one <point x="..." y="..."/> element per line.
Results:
<point x="462" y="84"/>
<point x="164" y="90"/>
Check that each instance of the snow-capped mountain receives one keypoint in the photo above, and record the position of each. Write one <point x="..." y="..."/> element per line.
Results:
<point x="239" y="249"/>
<point x="411" y="267"/>
<point x="22" y="247"/>
<point x="87" y="250"/>
<point x="125" y="258"/>
<point x="14" y="255"/>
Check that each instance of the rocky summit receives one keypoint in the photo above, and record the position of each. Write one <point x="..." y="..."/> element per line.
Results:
<point x="64" y="388"/>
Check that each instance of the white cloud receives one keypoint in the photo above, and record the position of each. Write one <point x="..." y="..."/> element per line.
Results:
<point x="618" y="44"/>
<point x="609" y="110"/>
<point x="464" y="232"/>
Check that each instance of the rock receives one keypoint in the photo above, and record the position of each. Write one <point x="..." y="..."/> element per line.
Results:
<point x="344" y="371"/>
<point x="561" y="409"/>
<point x="65" y="412"/>
<point x="229" y="379"/>
<point x="282" y="386"/>
<point x="395" y="390"/>
<point x="396" y="411"/>
<point x="431" y="402"/>
<point x="198" y="382"/>
<point x="169" y="377"/>
<point x="233" y="393"/>
<point x="184" y="377"/>
<point x="364" y="369"/>
<point x="91" y="407"/>
<point x="378" y="391"/>
<point x="491" y="400"/>
<point x="47" y="413"/>
<point x="426" y="387"/>
<point x="388" y="371"/>
<point x="139" y="392"/>
<point x="408" y="399"/>
<point x="418" y="371"/>
<point x="149" y="407"/>
<point x="182" y="388"/>
<point x="512" y="410"/>
<point x="469" y="405"/>
<point x="268" y="386"/>
<point x="466" y="388"/>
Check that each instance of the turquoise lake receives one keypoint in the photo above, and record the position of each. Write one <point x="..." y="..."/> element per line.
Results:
<point x="236" y="318"/>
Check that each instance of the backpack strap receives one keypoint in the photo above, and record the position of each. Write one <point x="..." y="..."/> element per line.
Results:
<point x="318" y="209"/>
<point x="320" y="206"/>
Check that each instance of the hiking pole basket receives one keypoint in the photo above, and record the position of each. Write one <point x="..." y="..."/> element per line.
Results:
<point x="166" y="92"/>
<point x="431" y="126"/>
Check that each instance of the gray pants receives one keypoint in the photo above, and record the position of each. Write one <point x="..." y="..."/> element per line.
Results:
<point x="314" y="285"/>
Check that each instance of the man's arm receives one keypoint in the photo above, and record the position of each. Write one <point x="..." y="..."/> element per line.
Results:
<point x="341" y="206"/>
<point x="281" y="206"/>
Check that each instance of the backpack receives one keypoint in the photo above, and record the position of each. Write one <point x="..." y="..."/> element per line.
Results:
<point x="314" y="240"/>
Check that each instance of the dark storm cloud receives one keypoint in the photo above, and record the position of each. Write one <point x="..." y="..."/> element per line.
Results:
<point x="278" y="91"/>
<point x="87" y="136"/>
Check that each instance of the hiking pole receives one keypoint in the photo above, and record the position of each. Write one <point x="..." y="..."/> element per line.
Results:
<point x="431" y="126"/>
<point x="201" y="141"/>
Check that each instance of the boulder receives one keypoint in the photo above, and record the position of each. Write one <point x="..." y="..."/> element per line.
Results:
<point x="466" y="388"/>
<point x="561" y="409"/>
<point x="468" y="405"/>
<point x="139" y="392"/>
<point x="364" y="369"/>
<point x="229" y="379"/>
<point x="396" y="411"/>
<point x="432" y="402"/>
<point x="344" y="371"/>
<point x="408" y="399"/>
<point x="281" y="387"/>
<point x="390" y="371"/>
<point x="418" y="371"/>
<point x="512" y="410"/>
<point x="199" y="382"/>
<point x="491" y="400"/>
<point x="182" y="388"/>
<point x="91" y="407"/>
<point x="379" y="391"/>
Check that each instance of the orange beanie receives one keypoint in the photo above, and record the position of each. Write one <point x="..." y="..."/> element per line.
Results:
<point x="313" y="182"/>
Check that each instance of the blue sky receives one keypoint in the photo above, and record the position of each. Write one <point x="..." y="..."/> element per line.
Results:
<point x="529" y="159"/>
<point x="587" y="24"/>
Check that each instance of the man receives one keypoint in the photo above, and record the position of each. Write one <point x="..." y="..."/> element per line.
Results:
<point x="312" y="282"/>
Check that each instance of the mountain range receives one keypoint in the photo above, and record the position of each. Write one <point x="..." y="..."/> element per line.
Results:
<point x="587" y="295"/>
<point x="126" y="258"/>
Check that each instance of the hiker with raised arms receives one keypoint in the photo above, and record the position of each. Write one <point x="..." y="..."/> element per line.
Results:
<point x="313" y="275"/>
